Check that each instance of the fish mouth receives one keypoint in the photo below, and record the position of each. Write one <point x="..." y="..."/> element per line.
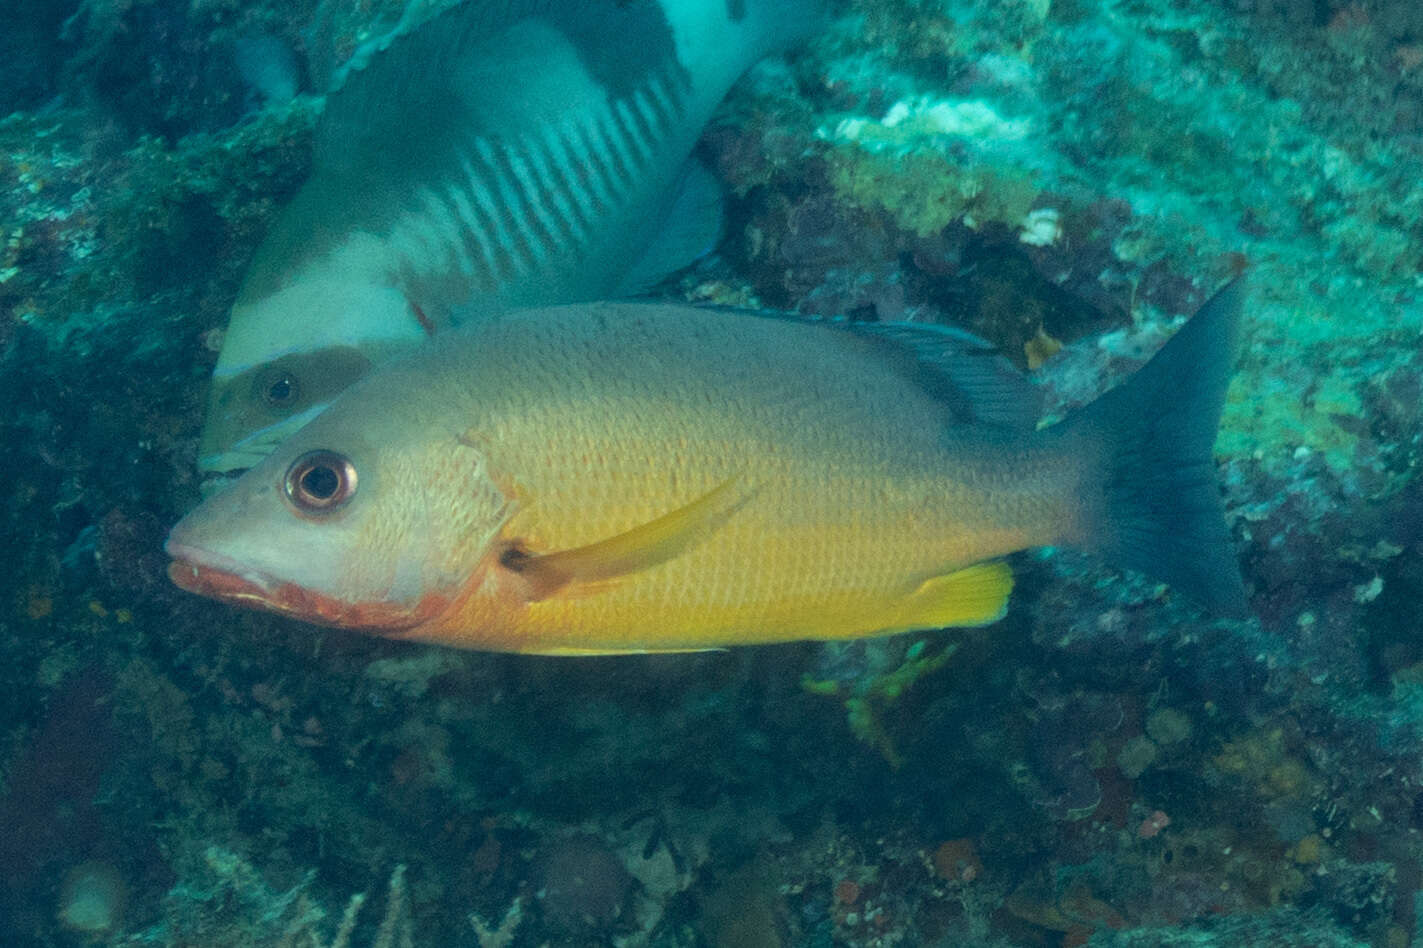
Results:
<point x="215" y="482"/>
<point x="221" y="468"/>
<point x="215" y="576"/>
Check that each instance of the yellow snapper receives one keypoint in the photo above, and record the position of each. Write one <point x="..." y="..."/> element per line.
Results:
<point x="624" y="477"/>
<point x="498" y="154"/>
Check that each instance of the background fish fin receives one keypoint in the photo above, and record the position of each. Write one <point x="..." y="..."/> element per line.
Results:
<point x="965" y="372"/>
<point x="654" y="542"/>
<point x="781" y="24"/>
<point x="402" y="78"/>
<point x="976" y="595"/>
<point x="690" y="230"/>
<point x="482" y="67"/>
<point x="1160" y="511"/>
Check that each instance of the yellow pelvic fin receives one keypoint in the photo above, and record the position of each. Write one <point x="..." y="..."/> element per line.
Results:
<point x="976" y="595"/>
<point x="640" y="548"/>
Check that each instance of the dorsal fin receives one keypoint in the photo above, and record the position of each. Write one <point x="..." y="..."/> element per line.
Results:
<point x="430" y="79"/>
<point x="964" y="371"/>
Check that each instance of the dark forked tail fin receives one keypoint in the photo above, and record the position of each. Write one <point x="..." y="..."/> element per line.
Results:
<point x="1159" y="511"/>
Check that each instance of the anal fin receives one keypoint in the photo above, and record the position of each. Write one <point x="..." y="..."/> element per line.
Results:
<point x="973" y="596"/>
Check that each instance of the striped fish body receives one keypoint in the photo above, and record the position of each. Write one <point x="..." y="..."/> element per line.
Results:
<point x="622" y="478"/>
<point x="496" y="155"/>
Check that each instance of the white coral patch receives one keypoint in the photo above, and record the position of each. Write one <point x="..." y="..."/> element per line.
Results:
<point x="1041" y="228"/>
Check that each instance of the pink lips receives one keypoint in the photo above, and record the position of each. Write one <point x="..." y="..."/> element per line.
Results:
<point x="212" y="575"/>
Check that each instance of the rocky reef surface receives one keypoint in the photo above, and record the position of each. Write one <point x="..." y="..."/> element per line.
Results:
<point x="1106" y="766"/>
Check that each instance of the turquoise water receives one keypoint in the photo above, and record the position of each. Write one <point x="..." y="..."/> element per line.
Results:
<point x="1107" y="765"/>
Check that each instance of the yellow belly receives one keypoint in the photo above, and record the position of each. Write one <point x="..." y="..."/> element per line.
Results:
<point x="783" y="568"/>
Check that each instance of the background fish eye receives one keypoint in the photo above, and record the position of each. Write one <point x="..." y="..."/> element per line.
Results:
<point x="281" y="390"/>
<point x="320" y="482"/>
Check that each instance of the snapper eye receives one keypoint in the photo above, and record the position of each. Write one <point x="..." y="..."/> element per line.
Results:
<point x="318" y="482"/>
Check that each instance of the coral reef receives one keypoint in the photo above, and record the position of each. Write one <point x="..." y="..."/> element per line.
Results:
<point x="1105" y="766"/>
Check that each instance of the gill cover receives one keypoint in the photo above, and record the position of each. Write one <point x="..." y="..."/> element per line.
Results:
<point x="373" y="528"/>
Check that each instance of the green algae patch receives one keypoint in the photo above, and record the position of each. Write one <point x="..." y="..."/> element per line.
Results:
<point x="924" y="193"/>
<point x="1272" y="419"/>
<point x="930" y="162"/>
<point x="1312" y="350"/>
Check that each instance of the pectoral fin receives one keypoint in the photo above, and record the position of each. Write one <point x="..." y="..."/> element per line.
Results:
<point x="690" y="231"/>
<point x="640" y="548"/>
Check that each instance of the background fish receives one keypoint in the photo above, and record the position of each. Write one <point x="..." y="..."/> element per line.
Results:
<point x="498" y="154"/>
<point x="623" y="477"/>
